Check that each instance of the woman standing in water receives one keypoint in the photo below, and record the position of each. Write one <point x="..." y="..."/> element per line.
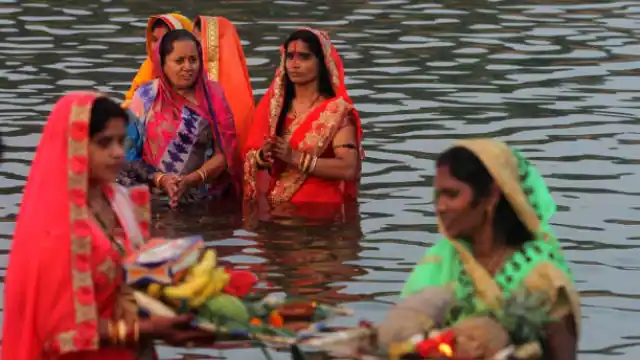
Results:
<point x="224" y="62"/>
<point x="157" y="26"/>
<point x="306" y="132"/>
<point x="63" y="296"/>
<point x="493" y="207"/>
<point x="183" y="141"/>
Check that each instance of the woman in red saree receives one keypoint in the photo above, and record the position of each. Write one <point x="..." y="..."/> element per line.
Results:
<point x="64" y="298"/>
<point x="306" y="132"/>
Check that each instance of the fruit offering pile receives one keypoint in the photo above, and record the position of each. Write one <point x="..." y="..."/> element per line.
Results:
<point x="180" y="275"/>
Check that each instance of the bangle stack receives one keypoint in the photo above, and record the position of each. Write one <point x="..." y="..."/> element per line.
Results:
<point x="121" y="334"/>
<point x="158" y="178"/>
<point x="307" y="163"/>
<point x="260" y="159"/>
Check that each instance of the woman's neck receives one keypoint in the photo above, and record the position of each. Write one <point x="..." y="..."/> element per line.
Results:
<point x="486" y="242"/>
<point x="307" y="92"/>
<point x="94" y="193"/>
<point x="186" y="93"/>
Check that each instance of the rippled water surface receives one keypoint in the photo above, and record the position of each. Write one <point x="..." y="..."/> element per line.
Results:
<point x="556" y="79"/>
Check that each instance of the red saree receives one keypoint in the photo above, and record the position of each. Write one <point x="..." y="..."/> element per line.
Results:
<point x="64" y="274"/>
<point x="313" y="134"/>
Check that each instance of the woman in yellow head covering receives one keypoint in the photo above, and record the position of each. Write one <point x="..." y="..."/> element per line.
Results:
<point x="157" y="26"/>
<point x="225" y="63"/>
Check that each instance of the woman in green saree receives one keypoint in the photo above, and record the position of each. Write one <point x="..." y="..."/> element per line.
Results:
<point x="493" y="208"/>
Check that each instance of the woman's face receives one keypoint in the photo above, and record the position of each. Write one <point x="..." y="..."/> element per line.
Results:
<point x="106" y="151"/>
<point x="460" y="214"/>
<point x="301" y="64"/>
<point x="181" y="66"/>
<point x="157" y="34"/>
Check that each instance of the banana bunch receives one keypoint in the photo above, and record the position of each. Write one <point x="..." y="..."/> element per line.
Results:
<point x="203" y="281"/>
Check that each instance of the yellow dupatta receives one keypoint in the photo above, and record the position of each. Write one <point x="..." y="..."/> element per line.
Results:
<point x="145" y="73"/>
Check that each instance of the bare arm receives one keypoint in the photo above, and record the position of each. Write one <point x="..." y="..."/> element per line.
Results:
<point x="211" y="169"/>
<point x="346" y="163"/>
<point x="561" y="341"/>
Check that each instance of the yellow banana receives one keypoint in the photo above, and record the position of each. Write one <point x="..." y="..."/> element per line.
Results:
<point x="206" y="264"/>
<point x="154" y="290"/>
<point x="187" y="289"/>
<point x="218" y="279"/>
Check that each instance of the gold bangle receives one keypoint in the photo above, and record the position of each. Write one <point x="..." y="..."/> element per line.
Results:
<point x="111" y="330"/>
<point x="260" y="159"/>
<point x="312" y="167"/>
<point x="122" y="332"/>
<point x="136" y="332"/>
<point x="307" y="163"/>
<point x="304" y="158"/>
<point x="202" y="174"/>
<point x="158" y="179"/>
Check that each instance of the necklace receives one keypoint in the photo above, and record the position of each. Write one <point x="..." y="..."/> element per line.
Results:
<point x="105" y="217"/>
<point x="294" y="111"/>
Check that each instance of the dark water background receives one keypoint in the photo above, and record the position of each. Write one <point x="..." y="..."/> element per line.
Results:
<point x="556" y="79"/>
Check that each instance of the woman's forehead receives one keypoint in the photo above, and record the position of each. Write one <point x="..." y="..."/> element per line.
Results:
<point x="298" y="46"/>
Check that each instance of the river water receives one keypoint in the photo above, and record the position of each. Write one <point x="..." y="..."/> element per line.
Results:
<point x="556" y="79"/>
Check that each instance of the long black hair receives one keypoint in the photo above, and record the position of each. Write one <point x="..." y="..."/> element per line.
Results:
<point x="466" y="167"/>
<point x="324" y="80"/>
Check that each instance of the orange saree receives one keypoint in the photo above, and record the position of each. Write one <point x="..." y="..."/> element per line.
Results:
<point x="224" y="62"/>
<point x="145" y="73"/>
<point x="64" y="272"/>
<point x="312" y="133"/>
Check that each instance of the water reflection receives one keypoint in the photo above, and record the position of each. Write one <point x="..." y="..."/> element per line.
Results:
<point x="554" y="78"/>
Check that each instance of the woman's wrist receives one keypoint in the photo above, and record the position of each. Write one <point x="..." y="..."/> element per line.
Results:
<point x="147" y="331"/>
<point x="305" y="161"/>
<point x="157" y="179"/>
<point x="122" y="333"/>
<point x="262" y="163"/>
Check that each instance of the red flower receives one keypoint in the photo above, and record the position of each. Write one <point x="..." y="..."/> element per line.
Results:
<point x="241" y="282"/>
<point x="428" y="348"/>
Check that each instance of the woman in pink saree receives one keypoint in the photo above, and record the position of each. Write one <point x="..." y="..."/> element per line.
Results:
<point x="64" y="297"/>
<point x="183" y="141"/>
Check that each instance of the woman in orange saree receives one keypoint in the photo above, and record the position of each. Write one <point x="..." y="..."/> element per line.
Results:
<point x="224" y="62"/>
<point x="64" y="298"/>
<point x="157" y="26"/>
<point x="306" y="132"/>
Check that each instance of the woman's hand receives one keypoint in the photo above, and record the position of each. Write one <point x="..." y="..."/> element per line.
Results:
<point x="169" y="184"/>
<point x="183" y="185"/>
<point x="177" y="331"/>
<point x="283" y="151"/>
<point x="267" y="150"/>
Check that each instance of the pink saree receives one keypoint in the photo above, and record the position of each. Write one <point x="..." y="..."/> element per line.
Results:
<point x="173" y="135"/>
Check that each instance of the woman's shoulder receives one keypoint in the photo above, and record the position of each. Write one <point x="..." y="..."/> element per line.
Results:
<point x="214" y="87"/>
<point x="147" y="89"/>
<point x="339" y="105"/>
<point x="545" y="252"/>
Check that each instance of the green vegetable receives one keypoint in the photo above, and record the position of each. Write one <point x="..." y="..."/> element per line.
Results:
<point x="227" y="306"/>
